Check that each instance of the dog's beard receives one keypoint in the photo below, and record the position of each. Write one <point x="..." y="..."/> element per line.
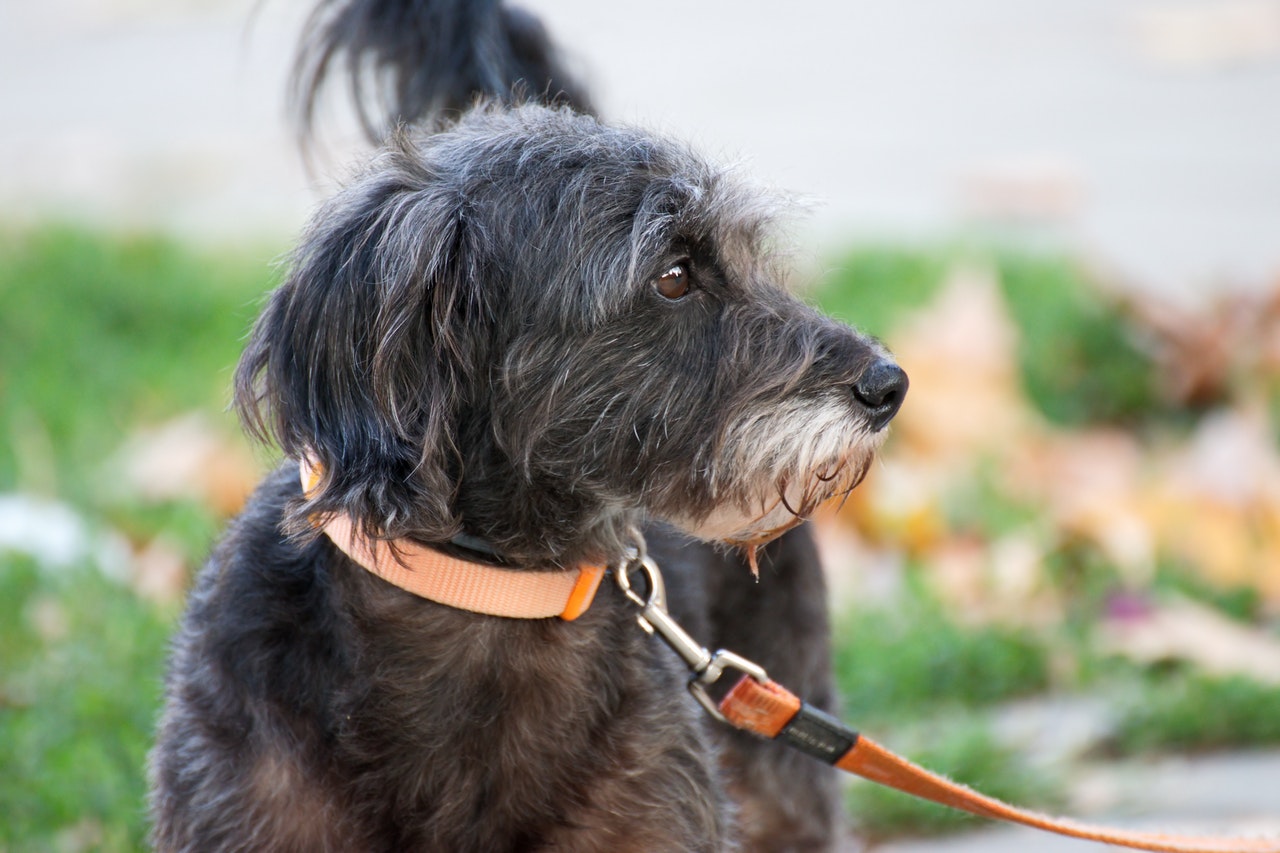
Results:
<point x="788" y="462"/>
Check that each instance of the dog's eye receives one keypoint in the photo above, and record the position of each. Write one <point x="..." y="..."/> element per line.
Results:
<point x="674" y="283"/>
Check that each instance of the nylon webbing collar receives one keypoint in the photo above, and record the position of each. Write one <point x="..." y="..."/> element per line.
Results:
<point x="458" y="583"/>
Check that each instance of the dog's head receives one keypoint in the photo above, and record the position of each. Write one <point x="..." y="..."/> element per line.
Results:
<point x="538" y="329"/>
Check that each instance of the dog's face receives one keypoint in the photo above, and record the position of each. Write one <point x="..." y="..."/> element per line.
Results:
<point x="538" y="330"/>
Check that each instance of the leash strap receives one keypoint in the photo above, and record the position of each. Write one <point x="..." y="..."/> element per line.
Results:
<point x="770" y="710"/>
<point x="760" y="705"/>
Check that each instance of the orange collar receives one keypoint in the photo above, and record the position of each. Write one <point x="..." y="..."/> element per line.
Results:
<point x="476" y="587"/>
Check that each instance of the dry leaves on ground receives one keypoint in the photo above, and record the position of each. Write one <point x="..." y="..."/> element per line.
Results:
<point x="1203" y="498"/>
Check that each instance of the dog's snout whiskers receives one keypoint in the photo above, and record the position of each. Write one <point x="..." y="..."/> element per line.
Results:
<point x="881" y="389"/>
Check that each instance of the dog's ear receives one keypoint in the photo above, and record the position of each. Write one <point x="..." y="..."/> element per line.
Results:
<point x="362" y="357"/>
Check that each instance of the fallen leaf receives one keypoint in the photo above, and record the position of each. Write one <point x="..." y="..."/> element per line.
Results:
<point x="1182" y="630"/>
<point x="1209" y="354"/>
<point x="1208" y="35"/>
<point x="1216" y="502"/>
<point x="961" y="354"/>
<point x="1023" y="189"/>
<point x="1092" y="486"/>
<point x="190" y="458"/>
<point x="160" y="572"/>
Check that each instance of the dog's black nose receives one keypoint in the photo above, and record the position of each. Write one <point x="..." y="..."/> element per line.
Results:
<point x="881" y="388"/>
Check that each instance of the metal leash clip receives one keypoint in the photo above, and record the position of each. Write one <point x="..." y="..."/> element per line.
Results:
<point x="654" y="619"/>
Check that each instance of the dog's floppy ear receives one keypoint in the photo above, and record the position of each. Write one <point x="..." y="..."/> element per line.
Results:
<point x="360" y="360"/>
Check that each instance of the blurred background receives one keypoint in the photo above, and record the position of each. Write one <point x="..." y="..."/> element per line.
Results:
<point x="1060" y="584"/>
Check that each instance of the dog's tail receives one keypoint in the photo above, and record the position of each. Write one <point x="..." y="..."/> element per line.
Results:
<point x="408" y="61"/>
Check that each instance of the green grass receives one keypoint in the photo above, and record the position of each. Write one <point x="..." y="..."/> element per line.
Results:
<point x="100" y="333"/>
<point x="1242" y="603"/>
<point x="915" y="680"/>
<point x="915" y="659"/>
<point x="80" y="669"/>
<point x="874" y="288"/>
<point x="1191" y="711"/>
<point x="964" y="751"/>
<point x="1079" y="361"/>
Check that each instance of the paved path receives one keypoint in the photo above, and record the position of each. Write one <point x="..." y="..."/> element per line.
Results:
<point x="1145" y="132"/>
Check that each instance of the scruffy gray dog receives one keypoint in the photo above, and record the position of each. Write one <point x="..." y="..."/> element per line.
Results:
<point x="513" y="341"/>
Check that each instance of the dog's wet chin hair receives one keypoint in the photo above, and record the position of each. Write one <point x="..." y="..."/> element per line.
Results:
<point x="538" y="330"/>
<point x="804" y="455"/>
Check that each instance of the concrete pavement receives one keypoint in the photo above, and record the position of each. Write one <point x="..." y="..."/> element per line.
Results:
<point x="1144" y="133"/>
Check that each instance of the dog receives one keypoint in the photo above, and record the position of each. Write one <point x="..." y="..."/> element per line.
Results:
<point x="512" y="342"/>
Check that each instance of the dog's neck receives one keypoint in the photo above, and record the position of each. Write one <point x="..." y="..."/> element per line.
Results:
<point x="459" y="583"/>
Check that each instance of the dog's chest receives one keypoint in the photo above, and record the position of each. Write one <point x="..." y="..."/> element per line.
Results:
<point x="516" y="729"/>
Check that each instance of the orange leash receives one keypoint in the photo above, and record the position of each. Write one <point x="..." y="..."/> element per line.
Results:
<point x="768" y="709"/>
<point x="762" y="706"/>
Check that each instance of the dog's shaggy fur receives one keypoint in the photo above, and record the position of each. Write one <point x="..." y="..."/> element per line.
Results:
<point x="537" y="331"/>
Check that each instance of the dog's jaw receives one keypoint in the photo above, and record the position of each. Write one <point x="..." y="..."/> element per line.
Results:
<point x="803" y="455"/>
